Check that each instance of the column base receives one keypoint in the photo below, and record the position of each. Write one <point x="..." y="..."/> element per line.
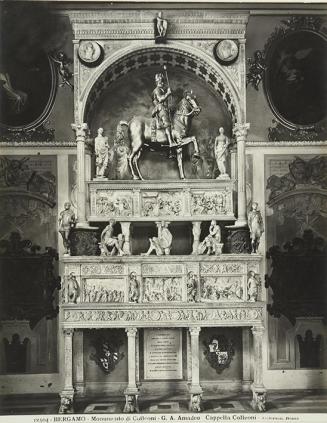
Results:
<point x="195" y="403"/>
<point x="258" y="402"/>
<point x="67" y="401"/>
<point x="131" y="400"/>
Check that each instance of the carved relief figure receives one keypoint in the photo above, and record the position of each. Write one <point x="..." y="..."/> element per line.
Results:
<point x="161" y="25"/>
<point x="134" y="288"/>
<point x="191" y="287"/>
<point x="72" y="290"/>
<point x="66" y="405"/>
<point x="221" y="151"/>
<point x="211" y="242"/>
<point x="162" y="289"/>
<point x="161" y="244"/>
<point x="256" y="227"/>
<point x="131" y="404"/>
<point x="67" y="221"/>
<point x="196" y="402"/>
<point x="101" y="148"/>
<point x="253" y="286"/>
<point x="109" y="244"/>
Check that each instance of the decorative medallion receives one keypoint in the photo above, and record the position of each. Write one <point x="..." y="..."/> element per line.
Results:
<point x="90" y="53"/>
<point x="226" y="51"/>
<point x="219" y="352"/>
<point x="107" y="354"/>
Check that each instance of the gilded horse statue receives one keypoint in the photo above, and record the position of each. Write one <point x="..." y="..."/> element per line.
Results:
<point x="141" y="134"/>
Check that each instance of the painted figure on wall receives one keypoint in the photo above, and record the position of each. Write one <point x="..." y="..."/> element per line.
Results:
<point x="101" y="148"/>
<point x="161" y="112"/>
<point x="221" y="151"/>
<point x="67" y="221"/>
<point x="256" y="227"/>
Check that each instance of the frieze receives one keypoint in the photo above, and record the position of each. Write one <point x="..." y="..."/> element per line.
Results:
<point x="222" y="288"/>
<point x="162" y="269"/>
<point x="162" y="204"/>
<point x="156" y="290"/>
<point x="221" y="268"/>
<point x="111" y="203"/>
<point x="209" y="203"/>
<point x="103" y="269"/>
<point x="122" y="316"/>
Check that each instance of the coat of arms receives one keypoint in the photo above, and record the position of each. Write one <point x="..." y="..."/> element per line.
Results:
<point x="219" y="352"/>
<point x="107" y="354"/>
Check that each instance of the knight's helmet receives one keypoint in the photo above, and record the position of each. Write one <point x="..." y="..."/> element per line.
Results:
<point x="158" y="77"/>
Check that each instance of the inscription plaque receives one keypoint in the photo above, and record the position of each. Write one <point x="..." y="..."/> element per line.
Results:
<point x="163" y="354"/>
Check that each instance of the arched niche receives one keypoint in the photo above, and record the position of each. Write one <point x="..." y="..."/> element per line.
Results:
<point x="122" y="89"/>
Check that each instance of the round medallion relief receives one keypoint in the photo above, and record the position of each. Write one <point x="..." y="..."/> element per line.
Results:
<point x="90" y="52"/>
<point x="226" y="51"/>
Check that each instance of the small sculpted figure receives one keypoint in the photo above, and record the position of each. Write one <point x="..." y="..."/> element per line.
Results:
<point x="161" y="112"/>
<point x="256" y="227"/>
<point x="221" y="151"/>
<point x="161" y="244"/>
<point x="134" y="289"/>
<point x="253" y="286"/>
<point x="109" y="244"/>
<point x="211" y="242"/>
<point x="101" y="148"/>
<point x="67" y="221"/>
<point x="72" y="288"/>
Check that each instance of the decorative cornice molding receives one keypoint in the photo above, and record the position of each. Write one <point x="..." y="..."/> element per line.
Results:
<point x="139" y="24"/>
<point x="264" y="143"/>
<point x="38" y="144"/>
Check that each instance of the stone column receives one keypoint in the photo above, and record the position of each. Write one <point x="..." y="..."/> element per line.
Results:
<point x="258" y="389"/>
<point x="196" y="229"/>
<point x="246" y="380"/>
<point x="67" y="395"/>
<point x="79" y="362"/>
<point x="125" y="228"/>
<point x="132" y="391"/>
<point x="195" y="388"/>
<point x="81" y="134"/>
<point x="240" y="131"/>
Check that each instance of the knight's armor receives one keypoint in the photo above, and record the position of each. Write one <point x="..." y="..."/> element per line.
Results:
<point x="160" y="112"/>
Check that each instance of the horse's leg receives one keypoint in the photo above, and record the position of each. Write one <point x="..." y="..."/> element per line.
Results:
<point x="131" y="158"/>
<point x="136" y="159"/>
<point x="196" y="147"/>
<point x="179" y="156"/>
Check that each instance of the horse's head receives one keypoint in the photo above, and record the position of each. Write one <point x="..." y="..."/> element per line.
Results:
<point x="192" y="101"/>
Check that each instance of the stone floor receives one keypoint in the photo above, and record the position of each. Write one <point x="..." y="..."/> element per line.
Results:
<point x="278" y="402"/>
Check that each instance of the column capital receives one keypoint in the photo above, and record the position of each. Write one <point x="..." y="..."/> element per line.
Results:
<point x="80" y="130"/>
<point x="131" y="332"/>
<point x="194" y="331"/>
<point x="242" y="40"/>
<point x="68" y="331"/>
<point x="240" y="130"/>
<point x="257" y="330"/>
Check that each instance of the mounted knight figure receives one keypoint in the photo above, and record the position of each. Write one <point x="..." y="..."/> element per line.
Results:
<point x="164" y="129"/>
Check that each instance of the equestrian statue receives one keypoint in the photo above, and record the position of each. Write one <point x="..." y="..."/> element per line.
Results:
<point x="165" y="129"/>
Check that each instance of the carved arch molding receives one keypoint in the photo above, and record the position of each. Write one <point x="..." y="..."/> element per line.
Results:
<point x="171" y="57"/>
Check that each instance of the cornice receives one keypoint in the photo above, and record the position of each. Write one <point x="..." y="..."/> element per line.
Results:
<point x="131" y="24"/>
<point x="264" y="143"/>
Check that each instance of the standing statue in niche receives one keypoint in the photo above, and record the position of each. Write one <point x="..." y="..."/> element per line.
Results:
<point x="211" y="242"/>
<point x="72" y="291"/>
<point x="253" y="286"/>
<point x="256" y="227"/>
<point x="161" y="244"/>
<point x="67" y="221"/>
<point x="221" y="152"/>
<point x="134" y="288"/>
<point x="111" y="245"/>
<point x="101" y="148"/>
